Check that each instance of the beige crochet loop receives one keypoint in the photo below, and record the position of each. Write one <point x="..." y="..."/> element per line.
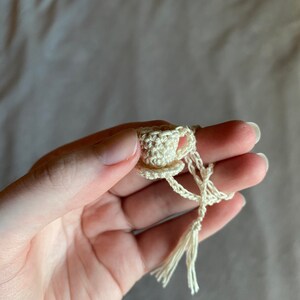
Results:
<point x="162" y="158"/>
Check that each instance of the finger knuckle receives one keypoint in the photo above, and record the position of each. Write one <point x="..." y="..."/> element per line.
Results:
<point x="58" y="174"/>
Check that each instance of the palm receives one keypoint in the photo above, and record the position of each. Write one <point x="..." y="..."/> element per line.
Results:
<point x="86" y="258"/>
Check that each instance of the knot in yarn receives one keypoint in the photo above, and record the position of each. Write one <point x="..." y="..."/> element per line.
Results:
<point x="197" y="225"/>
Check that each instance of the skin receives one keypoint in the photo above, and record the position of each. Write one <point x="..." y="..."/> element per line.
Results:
<point x="67" y="226"/>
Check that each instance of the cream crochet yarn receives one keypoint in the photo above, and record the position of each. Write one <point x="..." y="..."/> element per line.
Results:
<point x="162" y="159"/>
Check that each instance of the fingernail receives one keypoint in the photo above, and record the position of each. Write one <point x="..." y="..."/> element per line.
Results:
<point x="118" y="148"/>
<point x="256" y="130"/>
<point x="244" y="200"/>
<point x="266" y="160"/>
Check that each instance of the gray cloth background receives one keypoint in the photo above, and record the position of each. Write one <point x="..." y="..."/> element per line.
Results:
<point x="69" y="68"/>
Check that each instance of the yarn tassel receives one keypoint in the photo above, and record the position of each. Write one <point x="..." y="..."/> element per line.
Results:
<point x="189" y="244"/>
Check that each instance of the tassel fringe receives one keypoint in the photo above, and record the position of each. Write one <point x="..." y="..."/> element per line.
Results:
<point x="189" y="244"/>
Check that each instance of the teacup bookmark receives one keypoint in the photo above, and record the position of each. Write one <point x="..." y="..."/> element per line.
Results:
<point x="161" y="158"/>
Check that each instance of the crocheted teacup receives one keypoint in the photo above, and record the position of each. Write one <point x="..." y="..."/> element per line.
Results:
<point x="160" y="155"/>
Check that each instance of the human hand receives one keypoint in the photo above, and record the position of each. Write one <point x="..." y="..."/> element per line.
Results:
<point x="66" y="226"/>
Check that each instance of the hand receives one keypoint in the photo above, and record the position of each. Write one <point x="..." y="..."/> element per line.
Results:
<point x="66" y="226"/>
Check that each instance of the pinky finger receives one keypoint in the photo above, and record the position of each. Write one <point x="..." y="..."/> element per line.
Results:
<point x="156" y="243"/>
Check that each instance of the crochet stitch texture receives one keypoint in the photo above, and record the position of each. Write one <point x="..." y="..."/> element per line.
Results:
<point x="161" y="158"/>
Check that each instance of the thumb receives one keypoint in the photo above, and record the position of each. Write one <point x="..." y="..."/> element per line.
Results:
<point x="65" y="183"/>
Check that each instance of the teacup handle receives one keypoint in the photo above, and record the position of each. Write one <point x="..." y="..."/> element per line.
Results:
<point x="189" y="144"/>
